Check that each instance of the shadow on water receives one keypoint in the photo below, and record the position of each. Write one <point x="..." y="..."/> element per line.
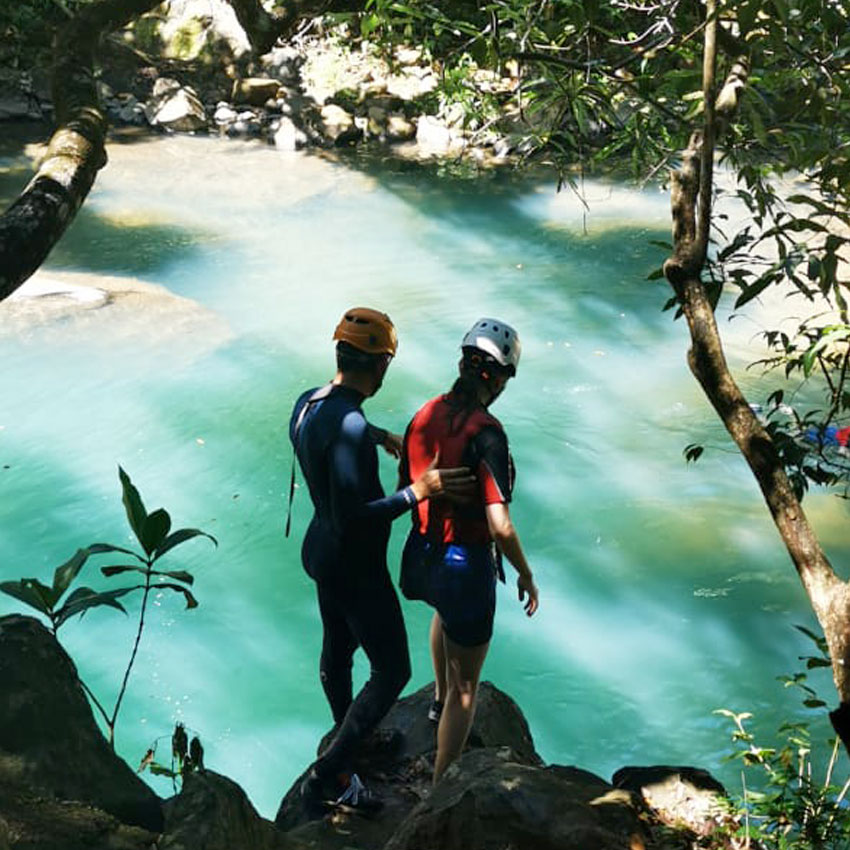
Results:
<point x="102" y="245"/>
<point x="99" y="243"/>
<point x="140" y="248"/>
<point x="509" y="212"/>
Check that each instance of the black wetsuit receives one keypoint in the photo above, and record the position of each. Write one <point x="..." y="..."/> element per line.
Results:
<point x="345" y="552"/>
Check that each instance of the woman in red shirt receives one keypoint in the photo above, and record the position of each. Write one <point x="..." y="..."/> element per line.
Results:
<point x="455" y="550"/>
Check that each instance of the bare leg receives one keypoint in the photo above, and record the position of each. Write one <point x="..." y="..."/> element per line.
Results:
<point x="464" y="665"/>
<point x="438" y="657"/>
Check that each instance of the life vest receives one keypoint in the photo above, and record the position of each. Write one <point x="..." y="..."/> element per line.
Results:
<point x="437" y="427"/>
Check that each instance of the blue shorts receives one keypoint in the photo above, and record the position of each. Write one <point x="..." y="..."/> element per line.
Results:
<point x="461" y="585"/>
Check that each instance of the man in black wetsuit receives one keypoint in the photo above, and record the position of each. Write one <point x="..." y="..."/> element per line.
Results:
<point x="344" y="549"/>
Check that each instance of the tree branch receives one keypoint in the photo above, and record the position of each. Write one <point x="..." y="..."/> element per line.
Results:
<point x="264" y="28"/>
<point x="34" y="223"/>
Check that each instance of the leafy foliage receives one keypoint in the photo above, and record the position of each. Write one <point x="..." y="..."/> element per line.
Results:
<point x="618" y="86"/>
<point x="27" y="26"/>
<point x="786" y="806"/>
<point x="153" y="532"/>
<point x="46" y="599"/>
<point x="789" y="809"/>
<point x="186" y="756"/>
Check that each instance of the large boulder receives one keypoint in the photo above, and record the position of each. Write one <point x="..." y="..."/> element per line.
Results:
<point x="490" y="800"/>
<point x="397" y="762"/>
<point x="50" y="745"/>
<point x="188" y="29"/>
<point x="212" y="812"/>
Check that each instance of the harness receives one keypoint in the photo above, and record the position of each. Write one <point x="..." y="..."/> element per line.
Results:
<point x="320" y="394"/>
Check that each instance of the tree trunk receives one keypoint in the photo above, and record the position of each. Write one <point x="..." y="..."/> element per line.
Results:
<point x="33" y="224"/>
<point x="691" y="191"/>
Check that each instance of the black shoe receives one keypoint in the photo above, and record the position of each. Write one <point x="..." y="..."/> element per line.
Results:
<point x="357" y="797"/>
<point x="435" y="711"/>
<point x="316" y="795"/>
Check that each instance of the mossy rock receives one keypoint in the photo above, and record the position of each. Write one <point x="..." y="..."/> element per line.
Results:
<point x="187" y="42"/>
<point x="144" y="33"/>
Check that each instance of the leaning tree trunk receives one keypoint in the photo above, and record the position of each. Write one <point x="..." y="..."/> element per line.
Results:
<point x="33" y="224"/>
<point x="691" y="191"/>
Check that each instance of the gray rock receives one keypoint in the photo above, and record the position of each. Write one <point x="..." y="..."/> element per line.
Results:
<point x="337" y="124"/>
<point x="15" y="107"/>
<point x="175" y="107"/>
<point x="489" y="800"/>
<point x="397" y="762"/>
<point x="502" y="147"/>
<point x="287" y="137"/>
<point x="49" y="742"/>
<point x="190" y="26"/>
<point x="254" y="91"/>
<point x="224" y="113"/>
<point x="434" y="137"/>
<point x="399" y="129"/>
<point x="678" y="796"/>
<point x="212" y="812"/>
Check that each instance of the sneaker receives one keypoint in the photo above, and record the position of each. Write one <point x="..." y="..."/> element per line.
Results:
<point x="435" y="711"/>
<point x="358" y="796"/>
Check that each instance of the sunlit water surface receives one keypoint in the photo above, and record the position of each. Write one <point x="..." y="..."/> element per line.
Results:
<point x="665" y="593"/>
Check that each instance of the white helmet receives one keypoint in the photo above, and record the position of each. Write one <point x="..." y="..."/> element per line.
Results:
<point x="497" y="339"/>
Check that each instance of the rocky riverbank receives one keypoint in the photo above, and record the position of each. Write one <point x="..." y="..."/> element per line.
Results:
<point x="63" y="788"/>
<point x="187" y="68"/>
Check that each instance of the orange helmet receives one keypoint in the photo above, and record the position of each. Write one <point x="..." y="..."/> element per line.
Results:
<point x="367" y="330"/>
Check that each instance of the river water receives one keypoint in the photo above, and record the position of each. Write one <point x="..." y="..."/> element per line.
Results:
<point x="665" y="593"/>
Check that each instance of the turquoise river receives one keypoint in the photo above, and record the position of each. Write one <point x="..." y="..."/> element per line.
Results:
<point x="665" y="592"/>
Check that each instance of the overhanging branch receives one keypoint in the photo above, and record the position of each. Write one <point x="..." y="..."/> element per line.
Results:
<point x="34" y="223"/>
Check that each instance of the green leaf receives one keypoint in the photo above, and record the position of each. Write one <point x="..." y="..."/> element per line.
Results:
<point x="811" y="355"/>
<point x="812" y="662"/>
<point x="84" y="598"/>
<point x="178" y="575"/>
<point x="136" y="514"/>
<point x="24" y="592"/>
<point x="155" y="529"/>
<point x="65" y="574"/>
<point x="160" y="770"/>
<point x="180" y="536"/>
<point x="814" y="703"/>
<point x="191" y="602"/>
<point x="656" y="275"/>
<point x="99" y="548"/>
<point x="755" y="290"/>
<point x="747" y="15"/>
<point x="42" y="590"/>
<point x="117" y="569"/>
